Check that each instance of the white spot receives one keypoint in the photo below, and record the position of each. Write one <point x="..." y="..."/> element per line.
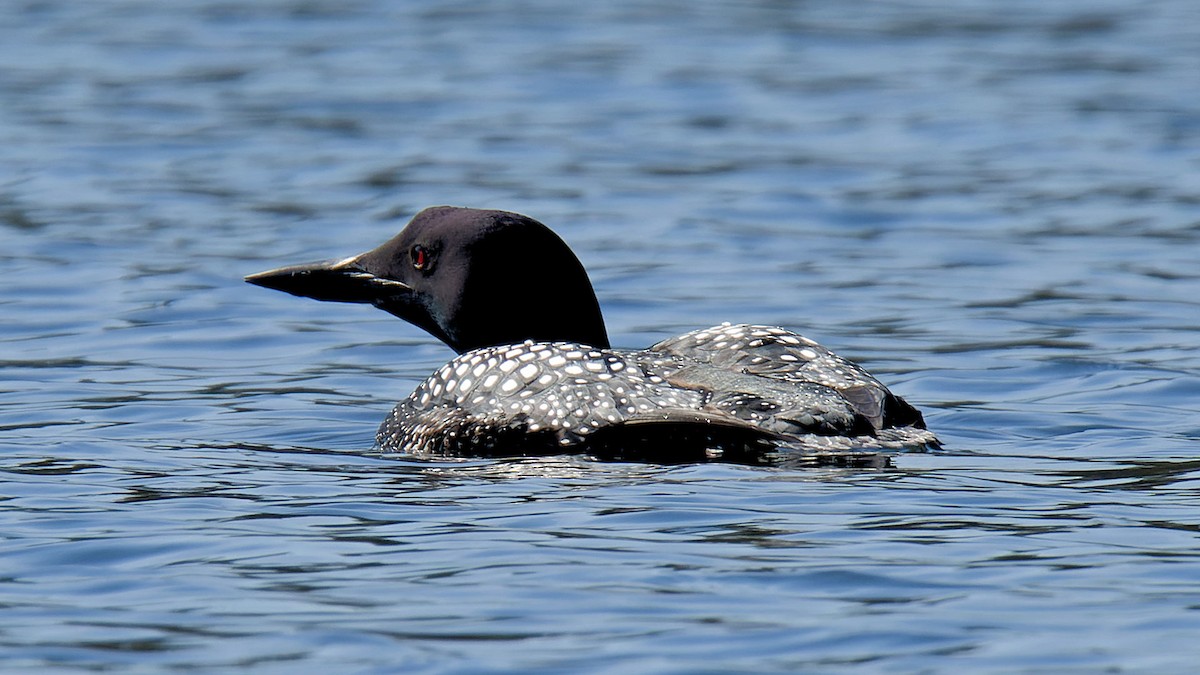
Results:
<point x="528" y="371"/>
<point x="556" y="361"/>
<point x="510" y="385"/>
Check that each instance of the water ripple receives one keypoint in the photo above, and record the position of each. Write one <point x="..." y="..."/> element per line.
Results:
<point x="993" y="208"/>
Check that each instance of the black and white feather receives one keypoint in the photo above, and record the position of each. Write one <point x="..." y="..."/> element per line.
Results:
<point x="727" y="389"/>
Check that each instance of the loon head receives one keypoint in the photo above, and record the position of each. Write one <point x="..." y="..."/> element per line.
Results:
<point x="470" y="277"/>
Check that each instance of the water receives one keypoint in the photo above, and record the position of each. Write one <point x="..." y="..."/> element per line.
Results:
<point x="995" y="206"/>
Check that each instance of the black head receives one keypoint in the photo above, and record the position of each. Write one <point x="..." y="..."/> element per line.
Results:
<point x="470" y="277"/>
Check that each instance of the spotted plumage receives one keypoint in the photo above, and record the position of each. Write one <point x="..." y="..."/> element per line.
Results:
<point x="533" y="381"/>
<point x="756" y="384"/>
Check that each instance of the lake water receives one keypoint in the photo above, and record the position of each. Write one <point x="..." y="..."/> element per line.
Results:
<point x="993" y="205"/>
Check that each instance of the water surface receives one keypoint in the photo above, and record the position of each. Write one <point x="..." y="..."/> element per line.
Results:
<point x="994" y="206"/>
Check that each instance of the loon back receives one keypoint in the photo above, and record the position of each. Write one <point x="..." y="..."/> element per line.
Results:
<point x="769" y="389"/>
<point x="535" y="374"/>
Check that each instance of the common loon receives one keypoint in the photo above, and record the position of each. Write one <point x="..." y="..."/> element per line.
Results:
<point x="535" y="374"/>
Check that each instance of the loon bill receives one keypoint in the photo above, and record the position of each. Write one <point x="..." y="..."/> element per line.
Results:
<point x="535" y="374"/>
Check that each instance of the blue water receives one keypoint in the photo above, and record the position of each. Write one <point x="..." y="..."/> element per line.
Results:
<point x="993" y="205"/>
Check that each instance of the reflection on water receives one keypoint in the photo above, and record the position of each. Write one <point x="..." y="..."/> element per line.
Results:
<point x="993" y="207"/>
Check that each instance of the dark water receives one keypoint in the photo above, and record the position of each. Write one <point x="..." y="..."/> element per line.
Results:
<point x="993" y="205"/>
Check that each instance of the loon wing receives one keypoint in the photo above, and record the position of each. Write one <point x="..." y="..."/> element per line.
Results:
<point x="780" y="355"/>
<point x="687" y="436"/>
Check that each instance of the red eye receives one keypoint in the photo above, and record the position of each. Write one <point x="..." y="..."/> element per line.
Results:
<point x="420" y="258"/>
